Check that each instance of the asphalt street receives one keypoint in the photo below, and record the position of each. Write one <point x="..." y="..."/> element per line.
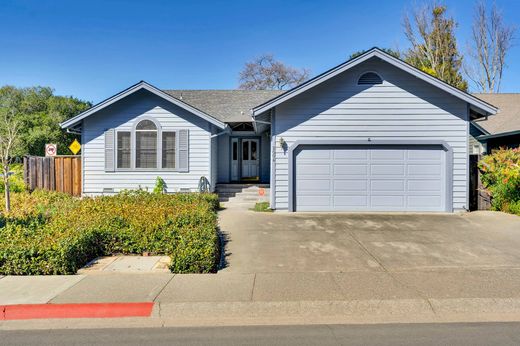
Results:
<point x="385" y="334"/>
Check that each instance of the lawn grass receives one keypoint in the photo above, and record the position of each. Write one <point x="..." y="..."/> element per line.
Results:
<point x="262" y="207"/>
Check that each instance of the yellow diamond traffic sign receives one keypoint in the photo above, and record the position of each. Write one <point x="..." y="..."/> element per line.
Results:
<point x="75" y="147"/>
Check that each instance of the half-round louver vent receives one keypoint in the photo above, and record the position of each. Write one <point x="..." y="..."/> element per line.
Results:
<point x="370" y="78"/>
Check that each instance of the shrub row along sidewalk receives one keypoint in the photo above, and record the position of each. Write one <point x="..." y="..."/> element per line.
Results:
<point x="53" y="233"/>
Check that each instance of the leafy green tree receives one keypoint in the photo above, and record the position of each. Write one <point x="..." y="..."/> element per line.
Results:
<point x="433" y="44"/>
<point x="39" y="117"/>
<point x="393" y="52"/>
<point x="11" y="100"/>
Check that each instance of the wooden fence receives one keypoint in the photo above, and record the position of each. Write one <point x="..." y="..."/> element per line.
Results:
<point x="59" y="173"/>
<point x="479" y="199"/>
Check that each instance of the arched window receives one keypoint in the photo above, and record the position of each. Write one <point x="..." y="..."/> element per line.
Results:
<point x="148" y="147"/>
<point x="146" y="144"/>
<point x="370" y="78"/>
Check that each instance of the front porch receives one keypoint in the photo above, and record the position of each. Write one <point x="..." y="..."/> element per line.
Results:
<point x="244" y="157"/>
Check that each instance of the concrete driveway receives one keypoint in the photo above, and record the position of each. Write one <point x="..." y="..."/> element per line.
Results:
<point x="333" y="242"/>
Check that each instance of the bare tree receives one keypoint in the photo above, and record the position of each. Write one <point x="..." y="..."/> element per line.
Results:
<point x="266" y="73"/>
<point x="490" y="41"/>
<point x="433" y="44"/>
<point x="10" y="100"/>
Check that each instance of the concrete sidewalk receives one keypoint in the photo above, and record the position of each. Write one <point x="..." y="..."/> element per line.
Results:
<point x="231" y="298"/>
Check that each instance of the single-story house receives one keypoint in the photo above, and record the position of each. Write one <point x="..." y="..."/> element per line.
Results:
<point x="371" y="134"/>
<point x="501" y="130"/>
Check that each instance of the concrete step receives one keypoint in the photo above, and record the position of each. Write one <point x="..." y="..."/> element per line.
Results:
<point x="232" y="190"/>
<point x="242" y="186"/>
<point x="243" y="199"/>
<point x="242" y="193"/>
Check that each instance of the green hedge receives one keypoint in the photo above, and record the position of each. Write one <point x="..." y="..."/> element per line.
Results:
<point x="52" y="233"/>
<point x="500" y="174"/>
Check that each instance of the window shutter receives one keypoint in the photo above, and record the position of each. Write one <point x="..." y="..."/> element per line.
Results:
<point x="109" y="150"/>
<point x="183" y="150"/>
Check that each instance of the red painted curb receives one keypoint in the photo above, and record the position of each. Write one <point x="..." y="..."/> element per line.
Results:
<point x="94" y="310"/>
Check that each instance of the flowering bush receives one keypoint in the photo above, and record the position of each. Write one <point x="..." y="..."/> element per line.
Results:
<point x="500" y="174"/>
<point x="53" y="233"/>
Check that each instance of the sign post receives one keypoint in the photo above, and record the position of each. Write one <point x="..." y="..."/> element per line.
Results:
<point x="51" y="149"/>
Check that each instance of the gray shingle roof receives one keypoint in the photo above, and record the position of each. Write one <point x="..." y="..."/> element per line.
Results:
<point x="225" y="105"/>
<point x="508" y="117"/>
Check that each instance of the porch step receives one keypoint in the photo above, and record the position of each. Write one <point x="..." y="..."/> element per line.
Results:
<point x="242" y="195"/>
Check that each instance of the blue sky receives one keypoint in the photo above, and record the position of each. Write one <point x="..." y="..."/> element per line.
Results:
<point x="93" y="49"/>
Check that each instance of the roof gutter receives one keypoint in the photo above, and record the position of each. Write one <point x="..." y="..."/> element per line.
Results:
<point x="497" y="135"/>
<point x="480" y="128"/>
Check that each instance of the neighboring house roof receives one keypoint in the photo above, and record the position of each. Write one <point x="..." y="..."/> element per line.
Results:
<point x="476" y="104"/>
<point x="225" y="105"/>
<point x="142" y="85"/>
<point x="507" y="120"/>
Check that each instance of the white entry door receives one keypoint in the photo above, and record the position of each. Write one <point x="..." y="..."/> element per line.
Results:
<point x="250" y="158"/>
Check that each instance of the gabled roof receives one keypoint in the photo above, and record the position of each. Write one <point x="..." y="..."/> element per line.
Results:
<point x="508" y="117"/>
<point x="225" y="105"/>
<point x="142" y="85"/>
<point x="476" y="104"/>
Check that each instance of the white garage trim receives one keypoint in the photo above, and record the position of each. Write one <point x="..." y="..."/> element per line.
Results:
<point x="414" y="143"/>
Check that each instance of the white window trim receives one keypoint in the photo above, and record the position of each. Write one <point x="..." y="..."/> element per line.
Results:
<point x="133" y="151"/>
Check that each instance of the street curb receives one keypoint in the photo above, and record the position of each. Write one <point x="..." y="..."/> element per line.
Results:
<point x="92" y="310"/>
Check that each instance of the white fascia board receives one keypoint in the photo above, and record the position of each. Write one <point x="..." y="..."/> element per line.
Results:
<point x="375" y="52"/>
<point x="131" y="90"/>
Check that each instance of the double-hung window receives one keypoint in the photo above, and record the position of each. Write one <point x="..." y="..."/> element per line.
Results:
<point x="146" y="147"/>
<point x="168" y="149"/>
<point x="124" y="150"/>
<point x="146" y="144"/>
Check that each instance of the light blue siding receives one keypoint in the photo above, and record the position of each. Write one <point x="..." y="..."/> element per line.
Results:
<point x="214" y="161"/>
<point x="402" y="108"/>
<point x="223" y="166"/>
<point x="121" y="116"/>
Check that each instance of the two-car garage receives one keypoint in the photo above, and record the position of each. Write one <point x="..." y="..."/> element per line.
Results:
<point x="380" y="177"/>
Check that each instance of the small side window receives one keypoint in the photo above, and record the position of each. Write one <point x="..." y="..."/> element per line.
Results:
<point x="168" y="150"/>
<point x="370" y="78"/>
<point x="123" y="150"/>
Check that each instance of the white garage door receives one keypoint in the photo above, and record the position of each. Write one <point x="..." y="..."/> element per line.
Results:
<point x="375" y="178"/>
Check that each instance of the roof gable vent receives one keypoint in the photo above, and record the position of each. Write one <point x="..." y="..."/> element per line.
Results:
<point x="370" y="78"/>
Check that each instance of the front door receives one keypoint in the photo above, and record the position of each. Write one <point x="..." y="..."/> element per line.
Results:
<point x="250" y="159"/>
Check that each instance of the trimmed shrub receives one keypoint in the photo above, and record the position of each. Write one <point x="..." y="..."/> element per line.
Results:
<point x="53" y="233"/>
<point x="500" y="174"/>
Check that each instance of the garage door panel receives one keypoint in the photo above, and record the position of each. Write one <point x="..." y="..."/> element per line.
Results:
<point x="379" y="178"/>
<point x="343" y="202"/>
<point x="424" y="185"/>
<point x="388" y="201"/>
<point x="349" y="154"/>
<point x="313" y="185"/>
<point x="355" y="185"/>
<point x="422" y="155"/>
<point x="314" y="202"/>
<point x="387" y="169"/>
<point x="315" y="169"/>
<point x="386" y="154"/>
<point x="387" y="185"/>
<point x="424" y="170"/>
<point x="353" y="169"/>
<point x="425" y="201"/>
